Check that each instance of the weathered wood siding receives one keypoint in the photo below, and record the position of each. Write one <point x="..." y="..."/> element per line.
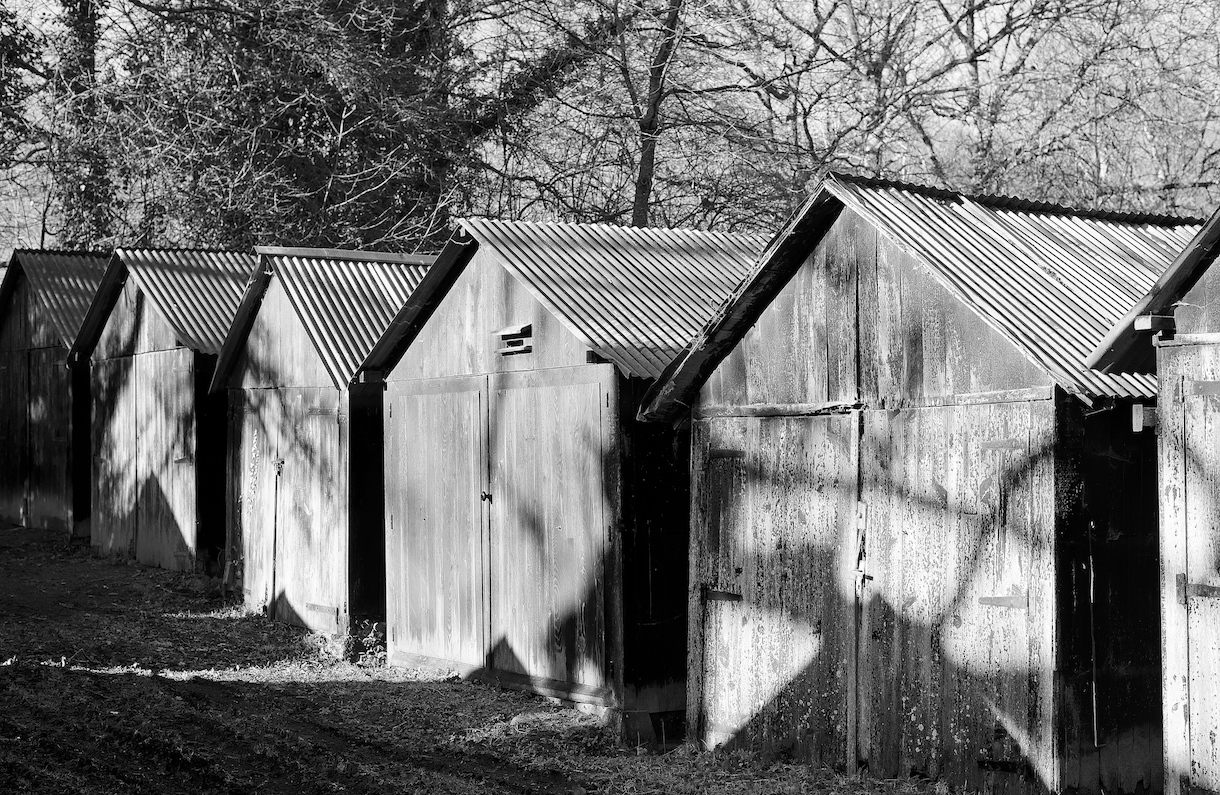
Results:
<point x="145" y="436"/>
<point x="459" y="339"/>
<point x="49" y="479"/>
<point x="497" y="524"/>
<point x="289" y="473"/>
<point x="551" y="459"/>
<point x="133" y="327"/>
<point x="278" y="350"/>
<point x="771" y="583"/>
<point x="997" y="526"/>
<point x="438" y="583"/>
<point x="912" y="340"/>
<point x="36" y="483"/>
<point x="957" y="624"/>
<point x="115" y="483"/>
<point x="1189" y="427"/>
<point x="14" y="435"/>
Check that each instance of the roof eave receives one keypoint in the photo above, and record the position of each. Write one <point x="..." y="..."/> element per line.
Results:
<point x="1126" y="350"/>
<point x="678" y="384"/>
<point x="411" y="318"/>
<point x="100" y="307"/>
<point x="243" y="321"/>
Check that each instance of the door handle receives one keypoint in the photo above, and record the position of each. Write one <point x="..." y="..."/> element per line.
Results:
<point x="713" y="595"/>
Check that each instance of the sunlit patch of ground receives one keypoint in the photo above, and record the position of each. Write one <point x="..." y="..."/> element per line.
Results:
<point x="115" y="679"/>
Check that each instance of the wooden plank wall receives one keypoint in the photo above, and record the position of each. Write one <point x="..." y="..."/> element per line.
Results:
<point x="913" y="341"/>
<point x="311" y="511"/>
<point x="166" y="503"/>
<point x="49" y="489"/>
<point x="254" y="479"/>
<point x="1188" y="423"/>
<point x="957" y="635"/>
<point x="14" y="435"/>
<point x="115" y="451"/>
<point x="772" y="584"/>
<point x="460" y="337"/>
<point x="549" y="458"/>
<point x="438" y="574"/>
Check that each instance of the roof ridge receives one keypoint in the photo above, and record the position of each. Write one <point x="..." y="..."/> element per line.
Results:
<point x="605" y="225"/>
<point x="187" y="249"/>
<point x="1017" y="203"/>
<point x="71" y="252"/>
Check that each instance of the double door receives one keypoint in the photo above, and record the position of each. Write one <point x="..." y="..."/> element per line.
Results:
<point x="499" y="497"/>
<point x="871" y="589"/>
<point x="291" y="477"/>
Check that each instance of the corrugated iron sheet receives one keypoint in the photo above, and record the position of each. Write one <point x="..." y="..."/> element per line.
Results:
<point x="636" y="296"/>
<point x="65" y="281"/>
<point x="196" y="291"/>
<point x="346" y="300"/>
<point x="1051" y="280"/>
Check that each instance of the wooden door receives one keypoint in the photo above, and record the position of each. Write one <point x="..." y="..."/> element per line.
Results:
<point x="772" y="585"/>
<point x="49" y="501"/>
<point x="957" y="581"/>
<point x="165" y="464"/>
<point x="310" y="516"/>
<point x="1192" y="567"/>
<point x="14" y="435"/>
<point x="255" y="481"/>
<point x="553" y="478"/>
<point x="114" y="484"/>
<point x="437" y="544"/>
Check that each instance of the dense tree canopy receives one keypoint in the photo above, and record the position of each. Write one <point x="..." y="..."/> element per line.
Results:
<point x="374" y="122"/>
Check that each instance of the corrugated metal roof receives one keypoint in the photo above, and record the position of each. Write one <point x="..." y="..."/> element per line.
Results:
<point x="346" y="299"/>
<point x="1126" y="350"/>
<point x="636" y="296"/>
<point x="65" y="282"/>
<point x="1052" y="281"/>
<point x="196" y="291"/>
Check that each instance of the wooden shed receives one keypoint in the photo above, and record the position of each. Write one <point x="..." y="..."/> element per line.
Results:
<point x="923" y="533"/>
<point x="1174" y="332"/>
<point x="305" y="490"/>
<point x="151" y="336"/>
<point x="44" y="405"/>
<point x="536" y="533"/>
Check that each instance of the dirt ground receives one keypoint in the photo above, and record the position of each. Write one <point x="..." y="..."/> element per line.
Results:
<point x="119" y="679"/>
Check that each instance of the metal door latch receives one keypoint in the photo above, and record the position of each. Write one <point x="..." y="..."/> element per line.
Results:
<point x="484" y="497"/>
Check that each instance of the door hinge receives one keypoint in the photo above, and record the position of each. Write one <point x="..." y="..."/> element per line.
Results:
<point x="1196" y="590"/>
<point x="712" y="595"/>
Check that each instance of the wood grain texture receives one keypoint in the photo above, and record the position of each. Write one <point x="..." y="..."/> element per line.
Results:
<point x="548" y="523"/>
<point x="132" y="327"/>
<point x="1199" y="556"/>
<point x="459" y="338"/>
<point x="259" y="416"/>
<point x="49" y="482"/>
<point x="770" y="671"/>
<point x="278" y="351"/>
<point x="1173" y="366"/>
<point x="165" y="463"/>
<point x="311" y="512"/>
<point x="862" y="319"/>
<point x="115" y="454"/>
<point x="436" y="532"/>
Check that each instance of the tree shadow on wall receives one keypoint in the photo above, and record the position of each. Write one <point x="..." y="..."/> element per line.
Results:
<point x="953" y="670"/>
